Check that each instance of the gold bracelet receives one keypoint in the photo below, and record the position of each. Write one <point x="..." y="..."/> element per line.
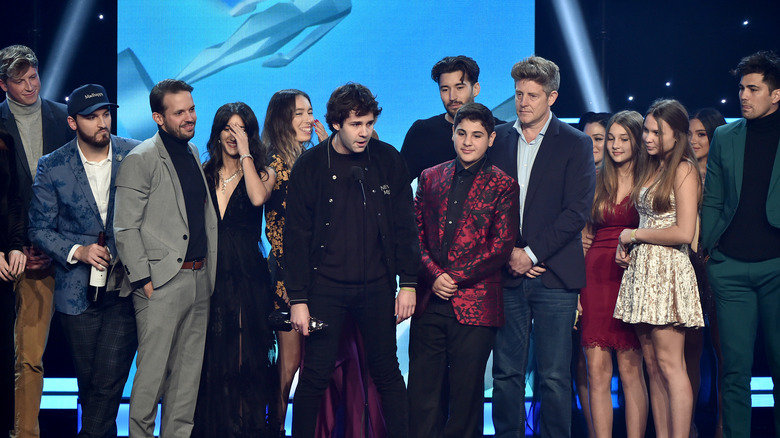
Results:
<point x="409" y="289"/>
<point x="633" y="236"/>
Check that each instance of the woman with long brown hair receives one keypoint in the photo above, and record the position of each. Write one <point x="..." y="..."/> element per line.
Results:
<point x="659" y="293"/>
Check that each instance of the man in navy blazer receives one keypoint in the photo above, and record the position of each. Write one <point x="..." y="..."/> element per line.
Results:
<point x="73" y="197"/>
<point x="553" y="164"/>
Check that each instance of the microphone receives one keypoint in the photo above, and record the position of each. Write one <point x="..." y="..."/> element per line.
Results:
<point x="357" y="173"/>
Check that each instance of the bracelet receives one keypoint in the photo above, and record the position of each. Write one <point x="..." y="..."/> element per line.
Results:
<point x="241" y="158"/>
<point x="633" y="236"/>
<point x="409" y="289"/>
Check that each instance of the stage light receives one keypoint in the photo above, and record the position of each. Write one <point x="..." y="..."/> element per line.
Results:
<point x="668" y="84"/>
<point x="65" y="44"/>
<point x="723" y="101"/>
<point x="630" y="98"/>
<point x="578" y="45"/>
<point x="100" y="16"/>
<point x="745" y="23"/>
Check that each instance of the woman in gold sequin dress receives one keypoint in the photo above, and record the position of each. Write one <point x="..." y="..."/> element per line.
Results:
<point x="659" y="293"/>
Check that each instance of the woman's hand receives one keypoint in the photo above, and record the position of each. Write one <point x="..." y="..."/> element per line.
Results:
<point x="319" y="129"/>
<point x="242" y="141"/>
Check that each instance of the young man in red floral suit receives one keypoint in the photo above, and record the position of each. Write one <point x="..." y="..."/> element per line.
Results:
<point x="467" y="216"/>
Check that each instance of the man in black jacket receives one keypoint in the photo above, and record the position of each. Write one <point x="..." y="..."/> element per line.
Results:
<point x="350" y="231"/>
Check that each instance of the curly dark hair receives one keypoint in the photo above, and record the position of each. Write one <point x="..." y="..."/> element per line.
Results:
<point x="347" y="98"/>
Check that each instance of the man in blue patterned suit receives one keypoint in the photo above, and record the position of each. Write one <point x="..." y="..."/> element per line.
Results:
<point x="73" y="197"/>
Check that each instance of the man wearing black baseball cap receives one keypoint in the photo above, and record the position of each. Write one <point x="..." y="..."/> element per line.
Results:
<point x="72" y="204"/>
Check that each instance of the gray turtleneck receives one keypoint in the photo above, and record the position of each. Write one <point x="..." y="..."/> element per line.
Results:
<point x="30" y="124"/>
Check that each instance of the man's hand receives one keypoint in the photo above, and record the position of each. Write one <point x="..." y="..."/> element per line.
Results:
<point x="36" y="259"/>
<point x="404" y="304"/>
<point x="536" y="271"/>
<point x="11" y="269"/>
<point x="95" y="255"/>
<point x="519" y="263"/>
<point x="299" y="318"/>
<point x="587" y="241"/>
<point x="148" y="290"/>
<point x="5" y="270"/>
<point x="444" y="286"/>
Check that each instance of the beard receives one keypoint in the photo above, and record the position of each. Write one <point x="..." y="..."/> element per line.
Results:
<point x="100" y="140"/>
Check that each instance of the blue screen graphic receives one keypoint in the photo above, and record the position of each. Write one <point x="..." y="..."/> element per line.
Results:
<point x="246" y="50"/>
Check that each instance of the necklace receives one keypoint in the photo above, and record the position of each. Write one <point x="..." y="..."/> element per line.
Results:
<point x="225" y="181"/>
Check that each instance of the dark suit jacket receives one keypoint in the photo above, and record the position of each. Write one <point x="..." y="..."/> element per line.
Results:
<point x="483" y="240"/>
<point x="12" y="218"/>
<point x="56" y="132"/>
<point x="63" y="213"/>
<point x="558" y="199"/>
<point x="723" y="184"/>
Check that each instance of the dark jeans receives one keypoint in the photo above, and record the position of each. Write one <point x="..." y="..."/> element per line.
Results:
<point x="552" y="312"/>
<point x="447" y="376"/>
<point x="103" y="342"/>
<point x="374" y="315"/>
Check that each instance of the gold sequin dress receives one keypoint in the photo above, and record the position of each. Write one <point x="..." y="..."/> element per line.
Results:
<point x="659" y="286"/>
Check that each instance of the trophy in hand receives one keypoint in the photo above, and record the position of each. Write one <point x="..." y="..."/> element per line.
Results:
<point x="280" y="320"/>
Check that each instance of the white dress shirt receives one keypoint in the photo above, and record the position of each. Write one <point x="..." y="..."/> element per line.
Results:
<point x="526" y="155"/>
<point x="99" y="177"/>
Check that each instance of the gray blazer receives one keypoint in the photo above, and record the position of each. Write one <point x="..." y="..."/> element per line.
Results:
<point x="150" y="216"/>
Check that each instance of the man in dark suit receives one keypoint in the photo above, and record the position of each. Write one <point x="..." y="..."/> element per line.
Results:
<point x="740" y="229"/>
<point x="467" y="217"/>
<point x="553" y="164"/>
<point x="38" y="127"/>
<point x="73" y="201"/>
<point x="166" y="236"/>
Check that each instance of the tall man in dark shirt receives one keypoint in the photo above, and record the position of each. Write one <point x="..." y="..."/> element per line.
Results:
<point x="740" y="229"/>
<point x="350" y="231"/>
<point x="429" y="141"/>
<point x="166" y="235"/>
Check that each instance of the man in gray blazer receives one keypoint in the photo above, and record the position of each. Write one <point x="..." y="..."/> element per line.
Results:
<point x="166" y="235"/>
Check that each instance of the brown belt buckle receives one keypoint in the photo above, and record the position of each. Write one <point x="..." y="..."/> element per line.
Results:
<point x="195" y="265"/>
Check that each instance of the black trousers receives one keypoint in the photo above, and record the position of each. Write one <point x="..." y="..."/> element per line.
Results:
<point x="447" y="376"/>
<point x="7" y="318"/>
<point x="374" y="314"/>
<point x="103" y="341"/>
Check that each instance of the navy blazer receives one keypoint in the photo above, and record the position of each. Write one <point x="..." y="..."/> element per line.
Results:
<point x="63" y="213"/>
<point x="56" y="132"/>
<point x="558" y="200"/>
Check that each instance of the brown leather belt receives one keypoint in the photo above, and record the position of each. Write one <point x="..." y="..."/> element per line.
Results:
<point x="195" y="265"/>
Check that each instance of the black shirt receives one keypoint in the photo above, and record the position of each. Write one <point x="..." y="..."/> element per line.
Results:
<point x="343" y="262"/>
<point x="750" y="237"/>
<point x="428" y="143"/>
<point x="194" y="191"/>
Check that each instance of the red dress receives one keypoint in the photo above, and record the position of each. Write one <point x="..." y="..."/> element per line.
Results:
<point x="599" y="328"/>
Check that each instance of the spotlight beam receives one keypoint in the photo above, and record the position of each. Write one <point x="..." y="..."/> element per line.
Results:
<point x="581" y="53"/>
<point x="67" y="42"/>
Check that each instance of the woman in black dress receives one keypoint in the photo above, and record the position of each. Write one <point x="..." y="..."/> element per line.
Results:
<point x="238" y="382"/>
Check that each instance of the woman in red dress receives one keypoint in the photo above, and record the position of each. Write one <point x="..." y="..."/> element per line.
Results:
<point x="602" y="334"/>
